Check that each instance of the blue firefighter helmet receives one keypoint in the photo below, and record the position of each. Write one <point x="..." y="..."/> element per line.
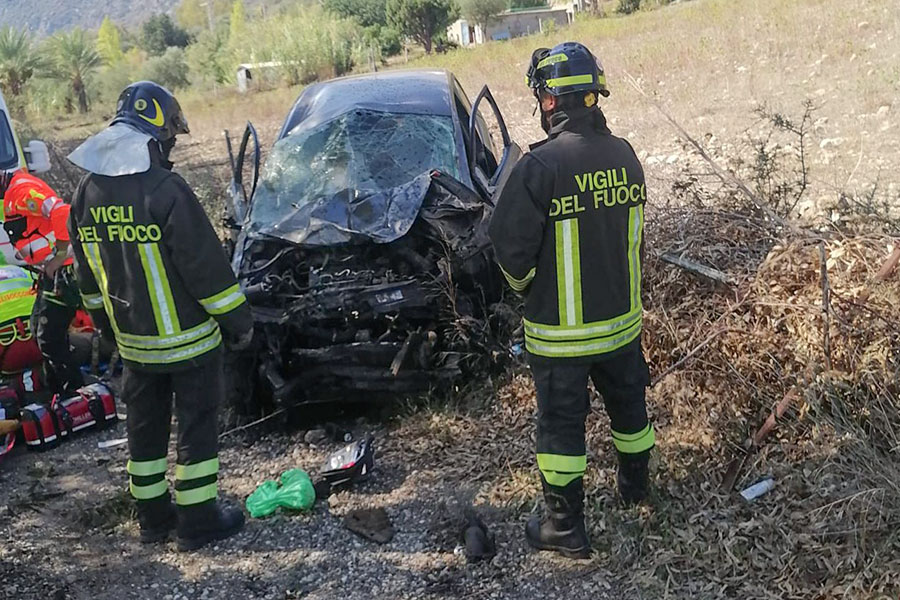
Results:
<point x="566" y="69"/>
<point x="152" y="109"/>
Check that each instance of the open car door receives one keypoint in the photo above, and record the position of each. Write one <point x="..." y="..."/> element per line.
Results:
<point x="485" y="174"/>
<point x="239" y="194"/>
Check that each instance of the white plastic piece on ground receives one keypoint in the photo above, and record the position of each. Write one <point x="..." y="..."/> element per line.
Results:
<point x="117" y="150"/>
<point x="758" y="489"/>
<point x="112" y="443"/>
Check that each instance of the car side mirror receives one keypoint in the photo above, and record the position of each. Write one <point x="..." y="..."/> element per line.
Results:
<point x="37" y="156"/>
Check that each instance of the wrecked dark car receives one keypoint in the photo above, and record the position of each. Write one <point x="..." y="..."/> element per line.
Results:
<point x="362" y="244"/>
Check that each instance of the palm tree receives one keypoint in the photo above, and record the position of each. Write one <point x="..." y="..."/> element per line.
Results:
<point x="18" y="61"/>
<point x="74" y="58"/>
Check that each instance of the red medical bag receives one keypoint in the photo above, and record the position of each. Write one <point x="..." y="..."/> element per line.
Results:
<point x="93" y="407"/>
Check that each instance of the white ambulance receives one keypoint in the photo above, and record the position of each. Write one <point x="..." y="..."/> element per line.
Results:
<point x="35" y="158"/>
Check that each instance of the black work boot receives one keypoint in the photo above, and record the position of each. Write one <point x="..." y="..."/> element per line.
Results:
<point x="634" y="477"/>
<point x="157" y="519"/>
<point x="201" y="524"/>
<point x="562" y="529"/>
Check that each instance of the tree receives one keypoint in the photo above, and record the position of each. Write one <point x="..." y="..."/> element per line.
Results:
<point x="18" y="60"/>
<point x="108" y="43"/>
<point x="74" y="58"/>
<point x="169" y="70"/>
<point x="366" y="12"/>
<point x="159" y="32"/>
<point x="527" y="4"/>
<point x="482" y="12"/>
<point x="421" y="19"/>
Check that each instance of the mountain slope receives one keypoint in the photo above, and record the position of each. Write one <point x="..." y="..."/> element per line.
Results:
<point x="47" y="16"/>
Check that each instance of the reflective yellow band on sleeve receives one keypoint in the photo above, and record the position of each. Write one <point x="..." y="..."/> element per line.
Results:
<point x="225" y="301"/>
<point x="518" y="285"/>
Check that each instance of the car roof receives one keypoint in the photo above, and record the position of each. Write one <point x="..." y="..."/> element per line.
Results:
<point x="421" y="92"/>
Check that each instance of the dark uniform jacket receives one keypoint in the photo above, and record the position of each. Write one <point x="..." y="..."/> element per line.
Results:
<point x="147" y="258"/>
<point x="567" y="231"/>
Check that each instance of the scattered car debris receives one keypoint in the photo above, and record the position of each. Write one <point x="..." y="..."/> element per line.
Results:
<point x="478" y="541"/>
<point x="294" y="491"/>
<point x="758" y="489"/>
<point x="112" y="443"/>
<point x="373" y="524"/>
<point x="352" y="463"/>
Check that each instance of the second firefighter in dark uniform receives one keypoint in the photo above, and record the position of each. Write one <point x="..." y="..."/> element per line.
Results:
<point x="568" y="234"/>
<point x="152" y="271"/>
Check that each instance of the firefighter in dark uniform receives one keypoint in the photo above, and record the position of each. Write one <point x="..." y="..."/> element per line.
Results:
<point x="153" y="273"/>
<point x="568" y="234"/>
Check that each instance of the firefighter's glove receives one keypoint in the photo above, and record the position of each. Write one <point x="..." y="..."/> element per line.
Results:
<point x="240" y="342"/>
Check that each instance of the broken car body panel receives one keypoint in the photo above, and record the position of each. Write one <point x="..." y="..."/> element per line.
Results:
<point x="363" y="249"/>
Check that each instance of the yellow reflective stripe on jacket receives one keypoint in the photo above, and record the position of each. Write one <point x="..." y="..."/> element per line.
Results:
<point x="160" y="292"/>
<point x="635" y="232"/>
<point x="172" y="355"/>
<point x="585" y="330"/>
<point x="95" y="262"/>
<point x="577" y="348"/>
<point x="225" y="301"/>
<point x="518" y="285"/>
<point x="568" y="272"/>
<point x="156" y="342"/>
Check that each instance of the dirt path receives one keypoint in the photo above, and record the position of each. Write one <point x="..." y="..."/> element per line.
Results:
<point x="69" y="531"/>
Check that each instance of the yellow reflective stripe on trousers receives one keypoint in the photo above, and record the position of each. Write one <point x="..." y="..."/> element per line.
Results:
<point x="144" y="468"/>
<point x="196" y="495"/>
<point x="568" y="272"/>
<point x="172" y="355"/>
<point x="149" y="492"/>
<point x="225" y="301"/>
<point x="560" y="469"/>
<point x="158" y="286"/>
<point x="201" y="469"/>
<point x="562" y="462"/>
<point x="635" y="232"/>
<point x="518" y="285"/>
<point x="635" y="443"/>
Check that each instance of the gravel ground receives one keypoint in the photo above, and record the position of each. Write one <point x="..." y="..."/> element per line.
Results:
<point x="70" y="531"/>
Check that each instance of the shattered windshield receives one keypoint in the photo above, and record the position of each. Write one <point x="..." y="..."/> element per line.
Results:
<point x="352" y="175"/>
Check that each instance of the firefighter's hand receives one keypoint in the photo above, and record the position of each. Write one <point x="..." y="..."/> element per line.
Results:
<point x="241" y="342"/>
<point x="55" y="264"/>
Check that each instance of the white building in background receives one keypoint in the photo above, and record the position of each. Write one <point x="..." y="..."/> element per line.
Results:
<point x="515" y="23"/>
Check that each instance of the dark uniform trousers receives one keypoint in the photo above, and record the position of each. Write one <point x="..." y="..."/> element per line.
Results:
<point x="57" y="302"/>
<point x="564" y="403"/>
<point x="148" y="396"/>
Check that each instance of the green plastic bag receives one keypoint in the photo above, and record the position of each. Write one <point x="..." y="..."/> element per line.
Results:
<point x="296" y="492"/>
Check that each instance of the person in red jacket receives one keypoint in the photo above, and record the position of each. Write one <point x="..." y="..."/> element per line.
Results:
<point x="35" y="219"/>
